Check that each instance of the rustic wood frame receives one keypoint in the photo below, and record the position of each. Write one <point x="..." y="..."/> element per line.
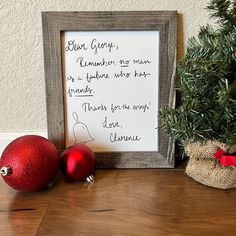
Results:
<point x="163" y="21"/>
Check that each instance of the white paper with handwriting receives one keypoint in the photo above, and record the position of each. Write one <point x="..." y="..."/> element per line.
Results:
<point x="111" y="89"/>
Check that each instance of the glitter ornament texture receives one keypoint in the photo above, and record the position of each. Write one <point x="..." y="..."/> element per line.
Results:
<point x="29" y="163"/>
<point x="78" y="163"/>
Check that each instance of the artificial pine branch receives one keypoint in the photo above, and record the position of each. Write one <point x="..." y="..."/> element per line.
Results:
<point x="207" y="82"/>
<point x="224" y="11"/>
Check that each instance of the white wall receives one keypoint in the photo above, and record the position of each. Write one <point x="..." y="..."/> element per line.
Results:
<point x="22" y="97"/>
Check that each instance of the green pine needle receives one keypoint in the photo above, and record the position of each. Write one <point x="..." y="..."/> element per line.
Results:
<point x="207" y="82"/>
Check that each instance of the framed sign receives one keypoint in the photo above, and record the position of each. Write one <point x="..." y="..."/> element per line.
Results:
<point x="107" y="76"/>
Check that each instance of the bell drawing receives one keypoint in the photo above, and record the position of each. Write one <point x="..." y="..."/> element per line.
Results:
<point x="81" y="131"/>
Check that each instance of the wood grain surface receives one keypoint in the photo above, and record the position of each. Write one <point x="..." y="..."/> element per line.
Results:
<point x="121" y="202"/>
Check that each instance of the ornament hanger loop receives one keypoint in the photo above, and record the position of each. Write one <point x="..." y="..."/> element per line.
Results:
<point x="5" y="170"/>
<point x="90" y="179"/>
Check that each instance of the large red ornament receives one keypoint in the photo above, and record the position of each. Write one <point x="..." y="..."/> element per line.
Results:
<point x="29" y="163"/>
<point x="78" y="163"/>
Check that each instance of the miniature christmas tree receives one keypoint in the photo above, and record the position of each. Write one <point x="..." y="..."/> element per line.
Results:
<point x="207" y="82"/>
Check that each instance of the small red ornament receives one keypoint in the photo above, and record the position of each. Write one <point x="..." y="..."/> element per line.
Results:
<point x="78" y="163"/>
<point x="29" y="163"/>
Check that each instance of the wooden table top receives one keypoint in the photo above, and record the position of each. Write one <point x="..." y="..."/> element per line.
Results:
<point x="121" y="202"/>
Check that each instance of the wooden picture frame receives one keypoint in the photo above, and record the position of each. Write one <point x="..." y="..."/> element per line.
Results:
<point x="165" y="22"/>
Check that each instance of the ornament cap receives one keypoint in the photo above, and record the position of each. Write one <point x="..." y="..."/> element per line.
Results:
<point x="90" y="179"/>
<point x="5" y="170"/>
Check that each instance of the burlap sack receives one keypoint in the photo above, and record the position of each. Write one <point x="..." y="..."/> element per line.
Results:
<point x="206" y="149"/>
<point x="204" y="168"/>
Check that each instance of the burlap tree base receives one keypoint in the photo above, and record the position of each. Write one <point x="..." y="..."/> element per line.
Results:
<point x="205" y="169"/>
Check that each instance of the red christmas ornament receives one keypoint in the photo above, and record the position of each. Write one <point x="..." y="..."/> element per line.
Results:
<point x="29" y="163"/>
<point x="78" y="163"/>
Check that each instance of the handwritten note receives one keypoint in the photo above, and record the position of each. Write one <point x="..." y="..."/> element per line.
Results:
<point x="111" y="89"/>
